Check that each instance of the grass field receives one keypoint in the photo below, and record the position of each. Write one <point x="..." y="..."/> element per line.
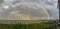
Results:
<point x="43" y="25"/>
<point x="27" y="26"/>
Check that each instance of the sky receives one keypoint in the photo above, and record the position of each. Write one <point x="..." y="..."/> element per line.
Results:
<point x="33" y="8"/>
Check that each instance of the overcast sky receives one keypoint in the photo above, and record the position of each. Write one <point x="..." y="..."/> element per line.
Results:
<point x="51" y="10"/>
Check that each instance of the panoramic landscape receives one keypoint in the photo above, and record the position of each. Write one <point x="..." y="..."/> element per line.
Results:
<point x="29" y="14"/>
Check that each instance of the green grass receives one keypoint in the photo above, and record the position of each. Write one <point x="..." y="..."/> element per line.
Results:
<point x="27" y="26"/>
<point x="58" y="27"/>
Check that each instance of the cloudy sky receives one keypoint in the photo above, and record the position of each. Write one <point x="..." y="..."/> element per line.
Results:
<point x="34" y="8"/>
